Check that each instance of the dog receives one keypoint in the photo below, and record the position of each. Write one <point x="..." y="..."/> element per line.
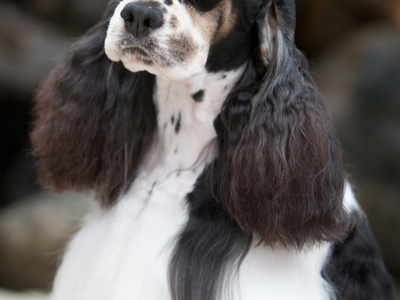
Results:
<point x="216" y="167"/>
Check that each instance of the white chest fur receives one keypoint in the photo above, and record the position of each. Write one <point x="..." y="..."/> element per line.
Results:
<point x="123" y="253"/>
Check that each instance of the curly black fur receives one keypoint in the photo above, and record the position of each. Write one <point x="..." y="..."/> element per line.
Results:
<point x="94" y="120"/>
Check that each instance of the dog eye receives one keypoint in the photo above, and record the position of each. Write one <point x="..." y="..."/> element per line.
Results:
<point x="203" y="5"/>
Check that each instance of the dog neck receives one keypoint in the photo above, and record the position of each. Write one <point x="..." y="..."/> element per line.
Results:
<point x="186" y="111"/>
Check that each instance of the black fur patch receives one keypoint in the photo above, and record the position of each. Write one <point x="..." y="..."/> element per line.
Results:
<point x="198" y="96"/>
<point x="178" y="124"/>
<point x="233" y="50"/>
<point x="356" y="268"/>
<point x="168" y="2"/>
<point x="203" y="5"/>
<point x="172" y="119"/>
<point x="208" y="250"/>
<point x="237" y="46"/>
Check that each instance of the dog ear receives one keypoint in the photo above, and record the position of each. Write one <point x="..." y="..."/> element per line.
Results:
<point x="94" y="120"/>
<point x="280" y="171"/>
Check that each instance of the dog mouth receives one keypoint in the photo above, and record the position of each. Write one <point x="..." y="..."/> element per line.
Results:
<point x="135" y="51"/>
<point x="138" y="54"/>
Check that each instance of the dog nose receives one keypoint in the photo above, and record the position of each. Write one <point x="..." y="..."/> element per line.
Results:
<point x="141" y="18"/>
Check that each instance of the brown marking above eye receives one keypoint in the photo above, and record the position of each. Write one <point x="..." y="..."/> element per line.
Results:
<point x="174" y="22"/>
<point x="226" y="20"/>
<point x="217" y="23"/>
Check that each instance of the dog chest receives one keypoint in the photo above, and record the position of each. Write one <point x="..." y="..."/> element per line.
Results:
<point x="123" y="253"/>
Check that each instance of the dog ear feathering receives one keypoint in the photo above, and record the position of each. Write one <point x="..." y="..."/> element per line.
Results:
<point x="280" y="171"/>
<point x="94" y="120"/>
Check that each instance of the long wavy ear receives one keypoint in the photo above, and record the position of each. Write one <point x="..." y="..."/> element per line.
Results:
<point x="94" y="120"/>
<point x="280" y="171"/>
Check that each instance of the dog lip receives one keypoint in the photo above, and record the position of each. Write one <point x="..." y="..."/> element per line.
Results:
<point x="136" y="51"/>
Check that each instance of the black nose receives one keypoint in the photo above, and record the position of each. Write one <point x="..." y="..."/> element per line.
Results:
<point x="141" y="18"/>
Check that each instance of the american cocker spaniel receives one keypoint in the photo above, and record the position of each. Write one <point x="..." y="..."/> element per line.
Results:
<point x="201" y="131"/>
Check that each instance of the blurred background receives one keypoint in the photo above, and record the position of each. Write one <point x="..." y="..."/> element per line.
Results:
<point x="354" y="50"/>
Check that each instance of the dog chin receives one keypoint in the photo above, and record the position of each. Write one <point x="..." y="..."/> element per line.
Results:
<point x="135" y="63"/>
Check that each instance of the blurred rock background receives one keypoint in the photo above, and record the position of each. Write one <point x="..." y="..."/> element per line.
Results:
<point x="354" y="49"/>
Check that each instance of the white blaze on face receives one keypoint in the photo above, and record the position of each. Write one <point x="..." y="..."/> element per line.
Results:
<point x="177" y="50"/>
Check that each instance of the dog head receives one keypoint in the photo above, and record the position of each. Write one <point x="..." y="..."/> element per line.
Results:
<point x="177" y="39"/>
